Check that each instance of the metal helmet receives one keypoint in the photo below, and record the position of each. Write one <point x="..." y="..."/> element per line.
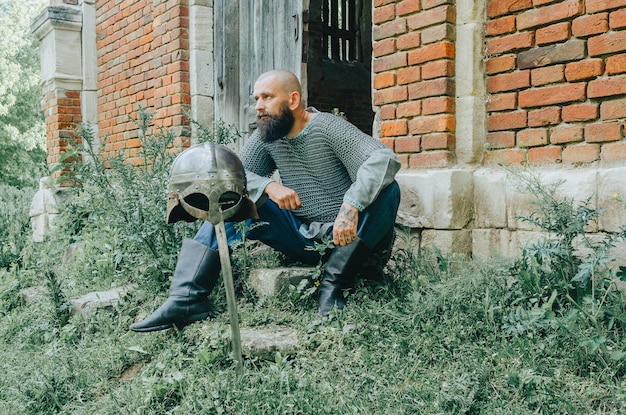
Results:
<point x="207" y="181"/>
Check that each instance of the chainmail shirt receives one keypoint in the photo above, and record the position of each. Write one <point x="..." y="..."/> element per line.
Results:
<point x="329" y="162"/>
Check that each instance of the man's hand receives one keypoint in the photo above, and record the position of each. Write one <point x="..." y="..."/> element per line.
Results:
<point x="284" y="197"/>
<point x="344" y="229"/>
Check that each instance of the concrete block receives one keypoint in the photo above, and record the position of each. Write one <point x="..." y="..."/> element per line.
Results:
<point x="88" y="304"/>
<point x="612" y="197"/>
<point x="504" y="243"/>
<point x="268" y="282"/>
<point x="265" y="342"/>
<point x="457" y="242"/>
<point x="440" y="199"/>
<point x="490" y="198"/>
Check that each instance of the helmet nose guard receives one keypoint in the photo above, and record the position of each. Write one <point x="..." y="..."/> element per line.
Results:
<point x="207" y="181"/>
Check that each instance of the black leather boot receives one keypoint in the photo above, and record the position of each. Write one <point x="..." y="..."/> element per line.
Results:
<point x="340" y="272"/>
<point x="195" y="276"/>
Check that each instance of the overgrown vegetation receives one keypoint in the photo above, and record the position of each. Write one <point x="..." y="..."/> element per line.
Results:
<point x="438" y="335"/>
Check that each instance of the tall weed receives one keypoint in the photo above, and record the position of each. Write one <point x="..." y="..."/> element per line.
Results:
<point x="14" y="223"/>
<point x="568" y="280"/>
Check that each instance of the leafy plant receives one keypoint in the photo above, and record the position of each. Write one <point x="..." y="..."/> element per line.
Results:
<point x="565" y="281"/>
<point x="14" y="224"/>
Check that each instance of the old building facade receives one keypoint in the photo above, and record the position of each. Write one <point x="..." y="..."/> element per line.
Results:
<point x="457" y="88"/>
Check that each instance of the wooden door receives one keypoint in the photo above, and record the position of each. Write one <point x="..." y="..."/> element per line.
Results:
<point x="251" y="37"/>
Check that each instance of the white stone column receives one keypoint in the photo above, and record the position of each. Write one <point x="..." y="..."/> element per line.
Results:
<point x="201" y="61"/>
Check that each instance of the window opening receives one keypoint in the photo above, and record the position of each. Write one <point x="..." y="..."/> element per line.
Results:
<point x="339" y="30"/>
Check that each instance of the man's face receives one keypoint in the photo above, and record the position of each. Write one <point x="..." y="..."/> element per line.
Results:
<point x="274" y="117"/>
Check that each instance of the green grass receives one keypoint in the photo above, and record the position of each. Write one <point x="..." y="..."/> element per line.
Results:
<point x="428" y="340"/>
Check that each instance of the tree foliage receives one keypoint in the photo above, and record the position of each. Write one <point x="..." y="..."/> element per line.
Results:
<point x="22" y="128"/>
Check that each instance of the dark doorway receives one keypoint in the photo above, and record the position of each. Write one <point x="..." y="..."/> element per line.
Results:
<point x="338" y="56"/>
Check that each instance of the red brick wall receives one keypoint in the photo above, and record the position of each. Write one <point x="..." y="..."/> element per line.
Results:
<point x="556" y="78"/>
<point x="413" y="69"/>
<point x="62" y="109"/>
<point x="143" y="62"/>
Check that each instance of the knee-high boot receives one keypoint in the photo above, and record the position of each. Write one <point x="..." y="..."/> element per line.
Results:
<point x="195" y="276"/>
<point x="339" y="274"/>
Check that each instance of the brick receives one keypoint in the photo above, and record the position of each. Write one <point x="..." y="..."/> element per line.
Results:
<point x="544" y="116"/>
<point x="434" y="87"/>
<point x="389" y="142"/>
<point x="505" y="101"/>
<point x="390" y="95"/>
<point x="429" y="4"/>
<point x="497" y="8"/>
<point x="549" y="14"/>
<point x="408" y="144"/>
<point x="584" y="70"/>
<point x="616" y="64"/>
<point x="613" y="152"/>
<point x="390" y="29"/>
<point x="508" y="82"/>
<point x="443" y="31"/>
<point x="379" y="3"/>
<point x="594" y="6"/>
<point x="579" y="112"/>
<point x="405" y="7"/>
<point x="442" y="14"/>
<point x="532" y="137"/>
<point x="431" y="124"/>
<point x="393" y="128"/>
<point x="409" y="75"/>
<point x="384" y="80"/>
<point x="510" y="43"/>
<point x="404" y="160"/>
<point x="443" y="50"/>
<point x="386" y="63"/>
<point x="409" y="41"/>
<point x="588" y="25"/>
<point x="613" y="109"/>
<point x="501" y="139"/>
<point x="507" y="121"/>
<point x="384" y="47"/>
<point x="608" y="43"/>
<point x="600" y="132"/>
<point x="550" y="95"/>
<point x="507" y="157"/>
<point x="552" y="34"/>
<point x="572" y="50"/>
<point x="500" y="64"/>
<point x="438" y="105"/>
<point x="387" y="112"/>
<point x="566" y="133"/>
<point x="438" y="141"/>
<point x="409" y="109"/>
<point x="607" y="87"/>
<point x="547" y="75"/>
<point x="501" y="26"/>
<point x="544" y="155"/>
<point x="431" y="159"/>
<point x="581" y="153"/>
<point x="617" y="19"/>
<point x="384" y="13"/>
<point x="438" y="69"/>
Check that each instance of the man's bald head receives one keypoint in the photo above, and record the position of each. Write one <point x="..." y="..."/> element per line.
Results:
<point x="287" y="81"/>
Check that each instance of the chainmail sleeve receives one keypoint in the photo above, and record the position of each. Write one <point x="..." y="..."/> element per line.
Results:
<point x="258" y="164"/>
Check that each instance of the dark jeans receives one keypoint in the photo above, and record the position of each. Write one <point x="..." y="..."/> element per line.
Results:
<point x="280" y="231"/>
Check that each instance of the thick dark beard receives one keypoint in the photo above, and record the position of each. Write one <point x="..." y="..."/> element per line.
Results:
<point x="277" y="126"/>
